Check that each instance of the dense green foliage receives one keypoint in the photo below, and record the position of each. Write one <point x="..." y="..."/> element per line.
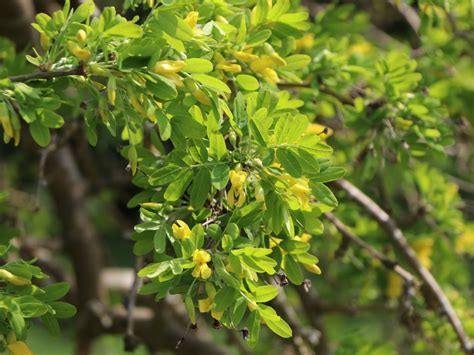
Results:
<point x="229" y="113"/>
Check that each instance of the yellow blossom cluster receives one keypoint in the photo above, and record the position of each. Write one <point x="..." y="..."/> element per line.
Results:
<point x="236" y="195"/>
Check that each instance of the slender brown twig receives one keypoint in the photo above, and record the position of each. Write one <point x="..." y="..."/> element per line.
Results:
<point x="386" y="261"/>
<point x="399" y="240"/>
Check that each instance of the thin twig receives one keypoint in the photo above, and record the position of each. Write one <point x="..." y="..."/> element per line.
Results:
<point x="386" y="261"/>
<point x="130" y="338"/>
<point x="398" y="238"/>
<point x="77" y="70"/>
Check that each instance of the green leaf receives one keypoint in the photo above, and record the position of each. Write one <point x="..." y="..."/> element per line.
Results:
<point x="63" y="309"/>
<point x="176" y="189"/>
<point x="293" y="270"/>
<point x="275" y="322"/>
<point x="154" y="269"/>
<point x="257" y="38"/>
<point x="51" y="323"/>
<point x="324" y="194"/>
<point x="330" y="174"/>
<point x="175" y="27"/>
<point x="17" y="323"/>
<point x="253" y="326"/>
<point x="188" y="302"/>
<point x="200" y="188"/>
<point x="289" y="129"/>
<point x="31" y="307"/>
<point x="295" y="246"/>
<point x="198" y="65"/>
<point x="220" y="176"/>
<point x="159" y="240"/>
<point x="165" y="175"/>
<point x="162" y="87"/>
<point x="54" y="292"/>
<point x="40" y="133"/>
<point x="297" y="61"/>
<point x="212" y="83"/>
<point x="289" y="161"/>
<point x="247" y="82"/>
<point x="51" y="119"/>
<point x="265" y="293"/>
<point x="124" y="29"/>
<point x="164" y="125"/>
<point x="224" y="298"/>
<point x="217" y="145"/>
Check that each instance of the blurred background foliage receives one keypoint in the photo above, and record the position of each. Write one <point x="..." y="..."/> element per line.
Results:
<point x="397" y="97"/>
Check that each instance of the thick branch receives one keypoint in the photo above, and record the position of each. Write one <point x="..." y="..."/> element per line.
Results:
<point x="398" y="238"/>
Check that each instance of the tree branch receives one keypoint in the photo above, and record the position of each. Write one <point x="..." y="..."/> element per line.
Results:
<point x="77" y="70"/>
<point x="386" y="261"/>
<point x="398" y="238"/>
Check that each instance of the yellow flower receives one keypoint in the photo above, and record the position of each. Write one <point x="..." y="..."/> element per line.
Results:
<point x="201" y="258"/>
<point x="237" y="179"/>
<point x="169" y="66"/>
<point x="81" y="36"/>
<point x="244" y="56"/>
<point x="273" y="242"/>
<point x="306" y="42"/>
<point x="394" y="286"/>
<point x="78" y="52"/>
<point x="19" y="348"/>
<point x="360" y="48"/>
<point x="423" y="248"/>
<point x="225" y="65"/>
<point x="465" y="242"/>
<point x="305" y="237"/>
<point x="201" y="97"/>
<point x="207" y="304"/>
<point x="44" y="41"/>
<point x="191" y="19"/>
<point x="312" y="268"/>
<point x="181" y="230"/>
<point x="264" y="66"/>
<point x="13" y="279"/>
<point x="322" y="131"/>
<point x="299" y="189"/>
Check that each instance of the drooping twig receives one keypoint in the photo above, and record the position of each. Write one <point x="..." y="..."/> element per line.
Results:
<point x="130" y="341"/>
<point x="386" y="261"/>
<point x="399" y="240"/>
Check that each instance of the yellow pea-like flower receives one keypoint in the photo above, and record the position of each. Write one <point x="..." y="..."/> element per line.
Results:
<point x="19" y="348"/>
<point x="201" y="269"/>
<point x="270" y="75"/>
<point x="229" y="67"/>
<point x="78" y="52"/>
<point x="263" y="62"/>
<point x="191" y="19"/>
<point x="207" y="304"/>
<point x="44" y="41"/>
<point x="13" y="279"/>
<point x="168" y="66"/>
<point x="244" y="56"/>
<point x="313" y="268"/>
<point x="237" y="179"/>
<point x="81" y="36"/>
<point x="201" y="97"/>
<point x="322" y="131"/>
<point x="181" y="230"/>
<point x="137" y="105"/>
<point x="305" y="237"/>
<point x="306" y="42"/>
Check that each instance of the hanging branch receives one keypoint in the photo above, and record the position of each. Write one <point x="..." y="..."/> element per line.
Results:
<point x="399" y="239"/>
